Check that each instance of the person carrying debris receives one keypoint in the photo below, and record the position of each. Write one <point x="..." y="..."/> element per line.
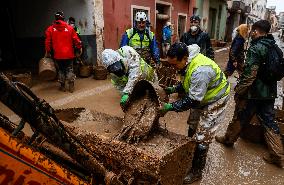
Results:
<point x="237" y="51"/>
<point x="60" y="39"/>
<point x="126" y="68"/>
<point x="255" y="93"/>
<point x="206" y="94"/>
<point x="196" y="36"/>
<point x="166" y="38"/>
<point x="142" y="40"/>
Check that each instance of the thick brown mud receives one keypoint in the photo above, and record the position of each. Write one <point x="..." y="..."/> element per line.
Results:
<point x="156" y="159"/>
<point x="140" y="118"/>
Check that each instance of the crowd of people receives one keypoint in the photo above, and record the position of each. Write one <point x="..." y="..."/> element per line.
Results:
<point x="204" y="85"/>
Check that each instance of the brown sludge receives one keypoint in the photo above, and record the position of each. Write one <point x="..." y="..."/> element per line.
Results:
<point x="157" y="159"/>
<point x="139" y="120"/>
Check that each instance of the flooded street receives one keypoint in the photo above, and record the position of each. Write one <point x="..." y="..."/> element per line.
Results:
<point x="240" y="165"/>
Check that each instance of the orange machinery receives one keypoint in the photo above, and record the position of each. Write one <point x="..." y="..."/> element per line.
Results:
<point x="20" y="164"/>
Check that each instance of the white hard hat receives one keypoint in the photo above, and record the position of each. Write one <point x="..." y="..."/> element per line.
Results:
<point x="110" y="57"/>
<point x="140" y="16"/>
<point x="168" y="23"/>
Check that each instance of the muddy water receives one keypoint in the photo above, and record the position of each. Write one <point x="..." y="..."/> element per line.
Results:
<point x="242" y="164"/>
<point x="91" y="121"/>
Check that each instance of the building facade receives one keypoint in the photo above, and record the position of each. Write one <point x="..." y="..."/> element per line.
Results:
<point x="213" y="15"/>
<point x="270" y="15"/>
<point x="118" y="17"/>
<point x="26" y="21"/>
<point x="281" y="20"/>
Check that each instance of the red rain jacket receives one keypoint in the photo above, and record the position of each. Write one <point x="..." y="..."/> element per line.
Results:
<point x="60" y="38"/>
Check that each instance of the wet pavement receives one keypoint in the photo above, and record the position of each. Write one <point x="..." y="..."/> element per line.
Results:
<point x="242" y="164"/>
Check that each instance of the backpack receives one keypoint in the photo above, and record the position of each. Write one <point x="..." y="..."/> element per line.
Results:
<point x="273" y="68"/>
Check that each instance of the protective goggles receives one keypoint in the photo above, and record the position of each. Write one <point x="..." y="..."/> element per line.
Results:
<point x="117" y="68"/>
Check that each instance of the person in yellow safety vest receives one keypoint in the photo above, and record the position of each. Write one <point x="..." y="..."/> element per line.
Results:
<point x="126" y="68"/>
<point x="142" y="40"/>
<point x="206" y="93"/>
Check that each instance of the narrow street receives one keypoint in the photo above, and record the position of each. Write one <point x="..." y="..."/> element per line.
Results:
<point x="242" y="164"/>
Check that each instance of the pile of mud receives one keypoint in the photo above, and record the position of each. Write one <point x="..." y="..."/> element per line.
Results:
<point x="140" y="119"/>
<point x="151" y="161"/>
<point x="141" y="112"/>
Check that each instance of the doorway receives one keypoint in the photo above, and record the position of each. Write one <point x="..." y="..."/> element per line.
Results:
<point x="163" y="15"/>
<point x="212" y="22"/>
<point x="181" y="25"/>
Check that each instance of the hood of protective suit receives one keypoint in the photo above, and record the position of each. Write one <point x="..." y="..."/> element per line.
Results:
<point x="243" y="30"/>
<point x="109" y="57"/>
<point x="193" y="51"/>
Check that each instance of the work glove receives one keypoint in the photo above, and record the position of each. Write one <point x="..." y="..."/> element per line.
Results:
<point x="47" y="55"/>
<point x="170" y="90"/>
<point x="124" y="99"/>
<point x="165" y="108"/>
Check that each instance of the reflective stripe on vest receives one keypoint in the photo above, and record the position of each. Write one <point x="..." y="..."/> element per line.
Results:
<point x="134" y="40"/>
<point x="217" y="88"/>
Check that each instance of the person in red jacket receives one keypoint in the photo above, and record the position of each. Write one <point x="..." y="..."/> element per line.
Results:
<point x="61" y="39"/>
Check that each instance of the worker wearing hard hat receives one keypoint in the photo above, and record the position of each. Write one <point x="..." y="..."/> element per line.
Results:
<point x="142" y="40"/>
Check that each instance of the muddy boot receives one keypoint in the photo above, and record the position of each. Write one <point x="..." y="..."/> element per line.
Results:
<point x="275" y="148"/>
<point x="232" y="133"/>
<point x="198" y="164"/>
<point x="224" y="141"/>
<point x="62" y="87"/>
<point x="270" y="159"/>
<point x="71" y="86"/>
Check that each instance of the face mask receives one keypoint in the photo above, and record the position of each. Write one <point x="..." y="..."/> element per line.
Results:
<point x="193" y="28"/>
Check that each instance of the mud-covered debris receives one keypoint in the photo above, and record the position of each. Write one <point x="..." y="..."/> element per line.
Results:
<point x="139" y="120"/>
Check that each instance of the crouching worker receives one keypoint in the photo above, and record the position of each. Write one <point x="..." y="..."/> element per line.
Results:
<point x="126" y="68"/>
<point x="206" y="94"/>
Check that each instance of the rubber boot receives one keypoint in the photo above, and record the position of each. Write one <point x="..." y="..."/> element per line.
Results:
<point x="71" y="86"/>
<point x="62" y="87"/>
<point x="198" y="164"/>
<point x="275" y="148"/>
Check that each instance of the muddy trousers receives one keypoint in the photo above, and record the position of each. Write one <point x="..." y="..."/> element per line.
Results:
<point x="203" y="124"/>
<point x="165" y="48"/>
<point x="264" y="109"/>
<point x="65" y="70"/>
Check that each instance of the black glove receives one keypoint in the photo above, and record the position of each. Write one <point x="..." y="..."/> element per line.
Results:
<point x="184" y="104"/>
